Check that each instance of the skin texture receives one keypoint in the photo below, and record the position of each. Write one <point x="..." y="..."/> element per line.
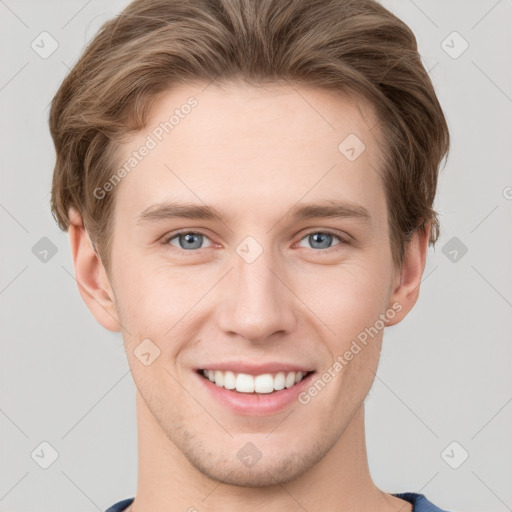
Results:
<point x="252" y="153"/>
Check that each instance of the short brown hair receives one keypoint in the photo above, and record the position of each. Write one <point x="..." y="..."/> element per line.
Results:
<point x="353" y="46"/>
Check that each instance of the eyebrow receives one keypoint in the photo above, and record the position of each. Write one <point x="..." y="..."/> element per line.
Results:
<point x="334" y="209"/>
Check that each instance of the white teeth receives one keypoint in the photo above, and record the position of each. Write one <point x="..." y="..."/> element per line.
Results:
<point x="219" y="377"/>
<point x="279" y="381"/>
<point x="229" y="380"/>
<point x="290" y="380"/>
<point x="264" y="383"/>
<point x="244" y="383"/>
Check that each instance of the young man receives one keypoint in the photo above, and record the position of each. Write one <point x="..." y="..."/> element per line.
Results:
<point x="248" y="189"/>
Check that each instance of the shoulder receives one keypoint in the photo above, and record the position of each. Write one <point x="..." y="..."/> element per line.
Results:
<point x="120" y="505"/>
<point x="419" y="501"/>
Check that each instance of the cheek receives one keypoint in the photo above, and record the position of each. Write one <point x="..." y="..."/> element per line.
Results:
<point x="150" y="301"/>
<point x="347" y="298"/>
<point x="158" y="300"/>
<point x="353" y="306"/>
<point x="360" y="328"/>
<point x="153" y="310"/>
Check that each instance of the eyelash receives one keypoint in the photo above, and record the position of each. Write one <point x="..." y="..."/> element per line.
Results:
<point x="337" y="234"/>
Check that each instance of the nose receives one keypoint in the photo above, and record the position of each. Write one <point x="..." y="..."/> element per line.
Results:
<point x="258" y="302"/>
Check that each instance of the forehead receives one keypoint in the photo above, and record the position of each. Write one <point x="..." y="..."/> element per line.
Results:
<point x="231" y="146"/>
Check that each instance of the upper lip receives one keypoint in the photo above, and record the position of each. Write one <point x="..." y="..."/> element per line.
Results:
<point x="256" y="369"/>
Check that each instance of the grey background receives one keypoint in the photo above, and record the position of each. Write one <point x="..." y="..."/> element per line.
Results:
<point x="444" y="374"/>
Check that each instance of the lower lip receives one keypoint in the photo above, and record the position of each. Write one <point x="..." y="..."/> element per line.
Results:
<point x="252" y="404"/>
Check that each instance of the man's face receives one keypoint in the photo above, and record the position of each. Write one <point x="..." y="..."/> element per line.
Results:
<point x="259" y="286"/>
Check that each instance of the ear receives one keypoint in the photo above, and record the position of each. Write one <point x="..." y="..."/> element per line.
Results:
<point x="408" y="278"/>
<point x="91" y="277"/>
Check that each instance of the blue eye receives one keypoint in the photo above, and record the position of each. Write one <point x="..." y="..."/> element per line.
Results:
<point x="188" y="240"/>
<point x="191" y="240"/>
<point x="321" y="239"/>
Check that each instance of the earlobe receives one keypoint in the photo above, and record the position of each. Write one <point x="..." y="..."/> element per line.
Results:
<point x="93" y="283"/>
<point x="407" y="289"/>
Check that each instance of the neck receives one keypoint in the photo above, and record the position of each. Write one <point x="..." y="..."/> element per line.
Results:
<point x="339" y="482"/>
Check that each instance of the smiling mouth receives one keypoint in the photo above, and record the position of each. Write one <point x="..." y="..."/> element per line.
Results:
<point x="266" y="383"/>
